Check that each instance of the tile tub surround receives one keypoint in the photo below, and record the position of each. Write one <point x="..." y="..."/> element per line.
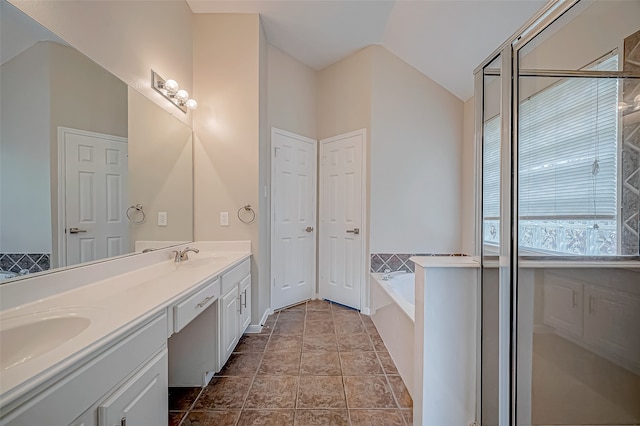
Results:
<point x="400" y="261"/>
<point x="314" y="364"/>
<point x="33" y="262"/>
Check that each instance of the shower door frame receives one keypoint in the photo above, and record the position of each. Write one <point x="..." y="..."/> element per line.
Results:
<point x="509" y="73"/>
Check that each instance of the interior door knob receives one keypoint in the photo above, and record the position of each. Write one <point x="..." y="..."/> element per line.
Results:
<point x="354" y="231"/>
<point x="309" y="229"/>
<point x="76" y="230"/>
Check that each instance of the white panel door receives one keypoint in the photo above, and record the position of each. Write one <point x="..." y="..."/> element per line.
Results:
<point x="95" y="196"/>
<point x="342" y="263"/>
<point x="293" y="215"/>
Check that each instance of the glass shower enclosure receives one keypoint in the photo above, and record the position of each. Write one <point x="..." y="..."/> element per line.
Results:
<point x="558" y="136"/>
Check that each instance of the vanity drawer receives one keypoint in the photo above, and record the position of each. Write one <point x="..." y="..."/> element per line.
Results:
<point x="234" y="276"/>
<point x="195" y="304"/>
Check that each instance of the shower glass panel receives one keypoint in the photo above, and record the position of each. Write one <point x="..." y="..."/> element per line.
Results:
<point x="577" y="180"/>
<point x="491" y="224"/>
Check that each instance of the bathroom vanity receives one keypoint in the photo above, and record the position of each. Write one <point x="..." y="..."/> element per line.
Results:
<point x="104" y="347"/>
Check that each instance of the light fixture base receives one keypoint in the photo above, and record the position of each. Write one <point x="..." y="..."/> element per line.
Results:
<point x="158" y="83"/>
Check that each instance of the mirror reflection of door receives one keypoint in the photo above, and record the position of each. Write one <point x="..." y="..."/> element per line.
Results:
<point x="95" y="196"/>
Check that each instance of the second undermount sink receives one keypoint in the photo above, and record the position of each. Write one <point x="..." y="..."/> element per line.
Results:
<point x="28" y="337"/>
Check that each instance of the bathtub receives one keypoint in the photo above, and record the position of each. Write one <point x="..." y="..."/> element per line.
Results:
<point x="393" y="313"/>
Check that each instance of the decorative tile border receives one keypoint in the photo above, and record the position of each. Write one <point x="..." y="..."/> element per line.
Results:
<point x="33" y="262"/>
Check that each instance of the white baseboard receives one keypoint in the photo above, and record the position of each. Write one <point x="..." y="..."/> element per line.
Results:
<point x="365" y="311"/>
<point x="257" y="328"/>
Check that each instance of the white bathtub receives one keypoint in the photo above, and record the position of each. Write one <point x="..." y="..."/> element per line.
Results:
<point x="393" y="313"/>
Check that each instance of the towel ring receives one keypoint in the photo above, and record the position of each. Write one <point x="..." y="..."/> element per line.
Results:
<point x="251" y="214"/>
<point x="138" y="214"/>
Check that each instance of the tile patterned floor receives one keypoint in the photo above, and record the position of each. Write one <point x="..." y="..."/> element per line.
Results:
<point x="314" y="364"/>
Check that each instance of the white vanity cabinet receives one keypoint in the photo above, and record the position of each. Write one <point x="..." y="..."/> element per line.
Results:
<point x="601" y="318"/>
<point x="125" y="379"/>
<point x="138" y="401"/>
<point x="235" y="308"/>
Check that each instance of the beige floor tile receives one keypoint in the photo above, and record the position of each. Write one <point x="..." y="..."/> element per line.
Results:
<point x="400" y="391"/>
<point x="279" y="343"/>
<point x="368" y="392"/>
<point x="376" y="418"/>
<point x="318" y="305"/>
<point x="266" y="418"/>
<point x="280" y="363"/>
<point x="322" y="418"/>
<point x="320" y="364"/>
<point x="272" y="392"/>
<point x="212" y="418"/>
<point x="245" y="364"/>
<point x="387" y="362"/>
<point x="252" y="343"/>
<point x="358" y="342"/>
<point x="223" y="393"/>
<point x="321" y="392"/>
<point x="360" y="363"/>
<point x="320" y="342"/>
<point x="319" y="327"/>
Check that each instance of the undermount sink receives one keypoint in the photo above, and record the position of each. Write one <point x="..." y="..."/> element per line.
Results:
<point x="28" y="337"/>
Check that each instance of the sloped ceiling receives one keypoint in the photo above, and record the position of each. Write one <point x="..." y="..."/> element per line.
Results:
<point x="445" y="39"/>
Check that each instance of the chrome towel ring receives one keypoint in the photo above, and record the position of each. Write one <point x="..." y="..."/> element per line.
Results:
<point x="246" y="214"/>
<point x="135" y="214"/>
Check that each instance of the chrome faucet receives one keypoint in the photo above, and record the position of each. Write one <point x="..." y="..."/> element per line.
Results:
<point x="388" y="274"/>
<point x="184" y="254"/>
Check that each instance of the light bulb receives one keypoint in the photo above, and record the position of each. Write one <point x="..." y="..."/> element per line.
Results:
<point x="191" y="104"/>
<point x="171" y="85"/>
<point x="182" y="95"/>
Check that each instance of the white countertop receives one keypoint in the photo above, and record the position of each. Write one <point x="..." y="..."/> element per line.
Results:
<point x="114" y="306"/>
<point x="446" y="261"/>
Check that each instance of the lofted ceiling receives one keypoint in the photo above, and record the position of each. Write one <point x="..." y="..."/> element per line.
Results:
<point x="444" y="39"/>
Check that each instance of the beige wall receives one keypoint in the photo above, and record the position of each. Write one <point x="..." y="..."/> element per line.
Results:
<point x="25" y="207"/>
<point x="160" y="172"/>
<point x="416" y="149"/>
<point x="344" y="96"/>
<point x="122" y="37"/>
<point x="468" y="204"/>
<point x="292" y="94"/>
<point x="227" y="133"/>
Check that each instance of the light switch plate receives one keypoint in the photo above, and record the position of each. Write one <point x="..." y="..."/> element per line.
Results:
<point x="224" y="218"/>
<point x="162" y="219"/>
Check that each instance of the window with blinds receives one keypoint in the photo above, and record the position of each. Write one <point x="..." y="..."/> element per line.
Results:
<point x="568" y="149"/>
<point x="567" y="163"/>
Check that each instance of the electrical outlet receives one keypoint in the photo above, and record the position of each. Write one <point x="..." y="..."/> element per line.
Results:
<point x="224" y="218"/>
<point x="162" y="219"/>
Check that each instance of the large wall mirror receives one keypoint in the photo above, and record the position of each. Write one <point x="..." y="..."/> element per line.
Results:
<point x="89" y="167"/>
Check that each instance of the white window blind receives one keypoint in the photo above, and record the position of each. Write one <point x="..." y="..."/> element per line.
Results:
<point x="491" y="169"/>
<point x="565" y="132"/>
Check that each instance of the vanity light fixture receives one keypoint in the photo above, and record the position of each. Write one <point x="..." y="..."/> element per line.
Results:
<point x="171" y="90"/>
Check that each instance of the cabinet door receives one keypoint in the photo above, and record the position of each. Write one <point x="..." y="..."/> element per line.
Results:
<point x="245" y="304"/>
<point x="563" y="303"/>
<point x="140" y="401"/>
<point x="612" y="321"/>
<point x="229" y="321"/>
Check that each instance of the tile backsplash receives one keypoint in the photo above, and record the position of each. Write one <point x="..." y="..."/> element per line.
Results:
<point x="391" y="261"/>
<point x="33" y="262"/>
